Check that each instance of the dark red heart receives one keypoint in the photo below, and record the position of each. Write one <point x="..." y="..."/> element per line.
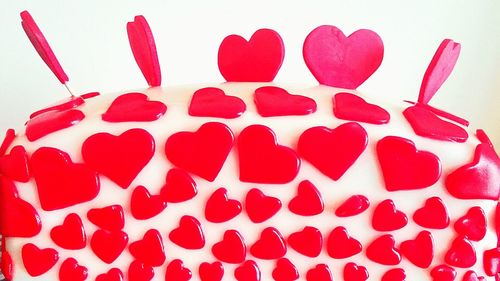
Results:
<point x="144" y="206"/>
<point x="213" y="102"/>
<point x="350" y="107"/>
<point x="52" y="121"/>
<point x="320" y="272"/>
<point x="387" y="218"/>
<point x="354" y="205"/>
<point x="248" y="271"/>
<point x="270" y="245"/>
<point x="113" y="274"/>
<point x="109" y="218"/>
<point x="149" y="249"/>
<point x="275" y="101"/>
<point x="472" y="276"/>
<point x="211" y="271"/>
<point x="219" y="208"/>
<point x="354" y="272"/>
<point x="433" y="214"/>
<point x="382" y="251"/>
<point x="71" y="271"/>
<point x="443" y="273"/>
<point x="134" y="107"/>
<point x="491" y="261"/>
<point x="340" y="245"/>
<point x="396" y="274"/>
<point x="461" y="253"/>
<point x="419" y="251"/>
<point x="15" y="164"/>
<point x="108" y="245"/>
<point x="260" y="207"/>
<point x="308" y="201"/>
<point x="188" y="234"/>
<point x="472" y="225"/>
<point x="139" y="271"/>
<point x="179" y="186"/>
<point x="71" y="234"/>
<point x="307" y="241"/>
<point x="285" y="271"/>
<point x="231" y="248"/>
<point x="176" y="271"/>
<point x="38" y="261"/>
<point x="333" y="151"/>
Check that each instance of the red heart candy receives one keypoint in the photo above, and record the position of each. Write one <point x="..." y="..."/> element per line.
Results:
<point x="231" y="249"/>
<point x="144" y="206"/>
<point x="354" y="205"/>
<point x="179" y="186"/>
<point x="109" y="218"/>
<point x="108" y="245"/>
<point x="433" y="214"/>
<point x="177" y="271"/>
<point x="262" y="159"/>
<point x="260" y="207"/>
<point x="307" y="241"/>
<point x="219" y="208"/>
<point x="354" y="108"/>
<point x="188" y="234"/>
<point x="333" y="151"/>
<point x="203" y="152"/>
<point x="285" y="271"/>
<point x="213" y="102"/>
<point x="10" y="136"/>
<point x="71" y="234"/>
<point x="461" y="253"/>
<point x="270" y="245"/>
<point x="60" y="182"/>
<point x="275" y="101"/>
<point x="320" y="272"/>
<point x="382" y="251"/>
<point x="211" y="271"/>
<point x="248" y="271"/>
<point x="404" y="167"/>
<point x="6" y="265"/>
<point x="396" y="274"/>
<point x="120" y="158"/>
<point x="52" y="121"/>
<point x="340" y="245"/>
<point x="149" y="249"/>
<point x="419" y="251"/>
<point x="71" y="271"/>
<point x="113" y="274"/>
<point x="339" y="61"/>
<point x="472" y="225"/>
<point x="472" y="276"/>
<point x="139" y="271"/>
<point x="387" y="218"/>
<point x="443" y="273"/>
<point x="354" y="272"/>
<point x="256" y="60"/>
<point x="38" y="261"/>
<point x="134" y="107"/>
<point x="15" y="164"/>
<point x="308" y="201"/>
<point x="491" y="261"/>
<point x="65" y="104"/>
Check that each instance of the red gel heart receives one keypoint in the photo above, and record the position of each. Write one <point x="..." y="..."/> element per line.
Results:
<point x="113" y="274"/>
<point x="285" y="271"/>
<point x="260" y="207"/>
<point x="382" y="251"/>
<point x="396" y="274"/>
<point x="231" y="249"/>
<point x="176" y="271"/>
<point x="15" y="164"/>
<point x="320" y="272"/>
<point x="472" y="276"/>
<point x="52" y="121"/>
<point x="307" y="241"/>
<point x="354" y="272"/>
<point x="443" y="273"/>
<point x="433" y="214"/>
<point x="109" y="218"/>
<point x="211" y="271"/>
<point x="308" y="201"/>
<point x="354" y="108"/>
<point x="419" y="251"/>
<point x="139" y="271"/>
<point x="270" y="245"/>
<point x="275" y="101"/>
<point x="38" y="261"/>
<point x="108" y="245"/>
<point x="134" y="107"/>
<point x="461" y="253"/>
<point x="144" y="206"/>
<point x="219" y="208"/>
<point x="248" y="271"/>
<point x="179" y="186"/>
<point x="188" y="234"/>
<point x="341" y="245"/>
<point x="149" y="249"/>
<point x="387" y="218"/>
<point x="71" y="271"/>
<point x="354" y="205"/>
<point x="213" y="102"/>
<point x="71" y="234"/>
<point x="472" y="225"/>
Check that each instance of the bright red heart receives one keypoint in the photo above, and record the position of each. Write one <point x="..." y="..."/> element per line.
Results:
<point x="113" y="274"/>
<point x="333" y="151"/>
<point x="307" y="241"/>
<point x="354" y="272"/>
<point x="120" y="158"/>
<point x="270" y="245"/>
<point x="256" y="60"/>
<point x="15" y="164"/>
<point x="60" y="182"/>
<point x="396" y="274"/>
<point x="108" y="245"/>
<point x="340" y="245"/>
<point x="339" y="61"/>
<point x="134" y="107"/>
<point x="461" y="253"/>
<point x="404" y="167"/>
<point x="52" y="121"/>
<point x="248" y="271"/>
<point x="109" y="218"/>
<point x="472" y="225"/>
<point x="443" y="273"/>
<point x="6" y="265"/>
<point x="38" y="261"/>
<point x="320" y="272"/>
<point x="65" y="104"/>
<point x="382" y="251"/>
<point x="275" y="101"/>
<point x="176" y="271"/>
<point x="139" y="271"/>
<point x="472" y="276"/>
<point x="354" y="205"/>
<point x="260" y="207"/>
<point x="144" y="206"/>
<point x="350" y="107"/>
<point x="71" y="234"/>
<point x="213" y="102"/>
<point x="179" y="187"/>
<point x="262" y="159"/>
<point x="231" y="249"/>
<point x="419" y="251"/>
<point x="491" y="261"/>
<point x="433" y="214"/>
<point x="285" y="271"/>
<point x="189" y="234"/>
<point x="203" y="152"/>
<point x="308" y="201"/>
<point x="387" y="218"/>
<point x="219" y="208"/>
<point x="211" y="271"/>
<point x="71" y="271"/>
<point x="149" y="249"/>
<point x="9" y="138"/>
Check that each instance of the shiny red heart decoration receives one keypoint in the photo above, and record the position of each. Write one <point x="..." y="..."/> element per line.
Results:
<point x="7" y="141"/>
<point x="433" y="214"/>
<point x="260" y="207"/>
<point x="443" y="273"/>
<point x="134" y="107"/>
<point x="248" y="271"/>
<point x="351" y="107"/>
<point x="382" y="251"/>
<point x="472" y="225"/>
<point x="420" y="251"/>
<point x="108" y="245"/>
<point x="231" y="248"/>
<point x="387" y="218"/>
<point x="52" y="121"/>
<point x="139" y="271"/>
<point x="213" y="102"/>
<point x="211" y="271"/>
<point x="189" y="234"/>
<point x="461" y="253"/>
<point x="179" y="186"/>
<point x="354" y="205"/>
<point x="285" y="271"/>
<point x="219" y="208"/>
<point x="354" y="272"/>
<point x="109" y="218"/>
<point x="176" y="271"/>
<point x="270" y="245"/>
<point x="491" y="261"/>
<point x="320" y="272"/>
<point x="144" y="206"/>
<point x="15" y="164"/>
<point x="65" y="104"/>
<point x="307" y="241"/>
<point x="308" y="201"/>
<point x="71" y="271"/>
<point x="472" y="276"/>
<point x="38" y="261"/>
<point x="113" y="274"/>
<point x="6" y="265"/>
<point x="149" y="249"/>
<point x="71" y="234"/>
<point x="395" y="274"/>
<point x="276" y="101"/>
<point x="340" y="245"/>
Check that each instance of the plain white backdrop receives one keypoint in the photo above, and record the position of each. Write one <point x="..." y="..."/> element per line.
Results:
<point x="89" y="37"/>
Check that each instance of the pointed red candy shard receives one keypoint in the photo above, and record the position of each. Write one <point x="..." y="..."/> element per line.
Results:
<point x="231" y="249"/>
<point x="354" y="272"/>
<point x="113" y="274"/>
<point x="219" y="208"/>
<point x="213" y="102"/>
<point x="270" y="245"/>
<point x="52" y="121"/>
<point x="419" y="251"/>
<point x="341" y="245"/>
<point x="396" y="274"/>
<point x="382" y="251"/>
<point x="176" y="271"/>
<point x="211" y="271"/>
<point x="256" y="60"/>
<point x="354" y="205"/>
<point x="461" y="253"/>
<point x="285" y="271"/>
<point x="443" y="273"/>
<point x="189" y="234"/>
<point x="10" y="135"/>
<point x="333" y="151"/>
<point x="38" y="261"/>
<point x="275" y="101"/>
<point x="472" y="225"/>
<point x="179" y="187"/>
<point x="120" y="158"/>
<point x="108" y="245"/>
<point x="109" y="218"/>
<point x="491" y="261"/>
<point x="65" y="104"/>
<point x="248" y="271"/>
<point x="203" y="152"/>
<point x="139" y="271"/>
<point x="472" y="276"/>
<point x="143" y="47"/>
<point x="149" y="249"/>
<point x="90" y="95"/>
<point x="404" y="167"/>
<point x="15" y="164"/>
<point x="263" y="160"/>
<point x="320" y="272"/>
<point x="71" y="234"/>
<point x="387" y="218"/>
<point x="307" y="241"/>
<point x="433" y="214"/>
<point x="308" y="201"/>
<point x="71" y="271"/>
<point x="260" y="207"/>
<point x="134" y="107"/>
<point x="350" y="107"/>
<point x="144" y="206"/>
<point x="6" y="265"/>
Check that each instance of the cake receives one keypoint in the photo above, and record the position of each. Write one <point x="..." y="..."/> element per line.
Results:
<point x="250" y="180"/>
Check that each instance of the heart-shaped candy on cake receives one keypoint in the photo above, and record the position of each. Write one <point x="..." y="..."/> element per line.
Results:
<point x="134" y="107"/>
<point x="276" y="101"/>
<point x="213" y="102"/>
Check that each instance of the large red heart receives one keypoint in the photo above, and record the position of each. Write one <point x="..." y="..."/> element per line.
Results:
<point x="189" y="234"/>
<point x="433" y="214"/>
<point x="176" y="271"/>
<point x="275" y="101"/>
<point x="213" y="102"/>
<point x="387" y="218"/>
<point x="15" y="164"/>
<point x="419" y="251"/>
<point x="256" y="60"/>
<point x="203" y="152"/>
<point x="143" y="205"/>
<point x="211" y="271"/>
<point x="354" y="205"/>
<point x="134" y="107"/>
<point x="219" y="208"/>
<point x="443" y="273"/>
<point x="108" y="245"/>
<point x="149" y="249"/>
<point x="472" y="225"/>
<point x="231" y="248"/>
<point x="60" y="182"/>
<point x="307" y="241"/>
<point x="71" y="234"/>
<point x="52" y="121"/>
<point x="348" y="106"/>
<point x="109" y="218"/>
<point x="308" y="201"/>
<point x="262" y="159"/>
<point x="339" y="61"/>
<point x="179" y="186"/>
<point x="38" y="261"/>
<point x="139" y="271"/>
<point x="395" y="274"/>
<point x="260" y="207"/>
<point x="113" y="274"/>
<point x="461" y="253"/>
<point x="340" y="245"/>
<point x="320" y="272"/>
<point x="354" y="272"/>
<point x="382" y="251"/>
<point x="71" y="271"/>
<point x="270" y="245"/>
<point x="404" y="167"/>
<point x="285" y="271"/>
<point x="333" y="151"/>
<point x="248" y="271"/>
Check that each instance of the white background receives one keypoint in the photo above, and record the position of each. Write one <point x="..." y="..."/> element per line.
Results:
<point x="89" y="37"/>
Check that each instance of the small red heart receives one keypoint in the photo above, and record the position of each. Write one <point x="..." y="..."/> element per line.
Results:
<point x="179" y="187"/>
<point x="139" y="271"/>
<point x="270" y="245"/>
<point x="134" y="107"/>
<point x="113" y="274"/>
<point x="120" y="158"/>
<point x="354" y="272"/>
<point x="52" y="121"/>
<point x="149" y="249"/>
<point x="231" y="249"/>
<point x="491" y="261"/>
<point x="248" y="271"/>
<point x="71" y="234"/>
<point x="65" y="104"/>
<point x="382" y="251"/>
<point x="320" y="272"/>
<point x="275" y="101"/>
<point x="308" y="201"/>
<point x="419" y="251"/>
<point x="203" y="152"/>
<point x="396" y="274"/>
<point x="108" y="245"/>
<point x="144" y="206"/>
<point x="211" y="271"/>
<point x="256" y="60"/>
<point x="213" y="102"/>
<point x="404" y="167"/>
<point x="260" y="207"/>
<point x="433" y="214"/>
<point x="53" y="169"/>
<point x="15" y="164"/>
<point x="188" y="234"/>
<point x="472" y="225"/>
<point x="387" y="218"/>
<point x="339" y="61"/>
<point x="262" y="159"/>
<point x="472" y="276"/>
<point x="307" y="241"/>
<point x="461" y="253"/>
<point x="443" y="273"/>
<point x="219" y="208"/>
<point x="71" y="271"/>
<point x="354" y="205"/>
<point x="285" y="271"/>
<point x="6" y="265"/>
<point x="333" y="151"/>
<point x="350" y="107"/>
<point x="109" y="218"/>
<point x="38" y="261"/>
<point x="340" y="245"/>
<point x="176" y="271"/>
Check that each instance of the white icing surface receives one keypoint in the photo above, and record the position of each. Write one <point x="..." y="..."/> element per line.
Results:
<point x="364" y="177"/>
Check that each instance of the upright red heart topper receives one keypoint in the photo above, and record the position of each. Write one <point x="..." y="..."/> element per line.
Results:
<point x="213" y="102"/>
<point x="339" y="61"/>
<point x="256" y="60"/>
<point x="134" y="107"/>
